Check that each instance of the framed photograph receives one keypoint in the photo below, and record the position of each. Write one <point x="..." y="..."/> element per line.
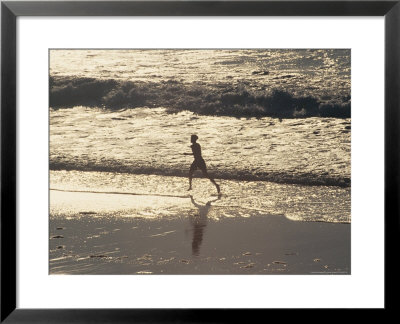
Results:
<point x="165" y="155"/>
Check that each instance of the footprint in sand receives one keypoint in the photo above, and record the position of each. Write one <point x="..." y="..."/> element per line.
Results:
<point x="57" y="236"/>
<point x="239" y="263"/>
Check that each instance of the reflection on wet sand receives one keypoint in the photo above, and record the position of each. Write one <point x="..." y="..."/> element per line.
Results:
<point x="199" y="222"/>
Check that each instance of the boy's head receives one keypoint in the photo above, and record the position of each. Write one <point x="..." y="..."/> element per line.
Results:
<point x="193" y="138"/>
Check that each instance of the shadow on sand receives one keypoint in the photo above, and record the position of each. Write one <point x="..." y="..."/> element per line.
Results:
<point x="199" y="222"/>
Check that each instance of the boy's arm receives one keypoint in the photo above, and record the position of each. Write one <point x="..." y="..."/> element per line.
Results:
<point x="188" y="153"/>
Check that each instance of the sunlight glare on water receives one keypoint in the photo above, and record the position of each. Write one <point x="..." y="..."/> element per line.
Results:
<point x="308" y="150"/>
<point x="120" y="121"/>
<point x="321" y="70"/>
<point x="152" y="196"/>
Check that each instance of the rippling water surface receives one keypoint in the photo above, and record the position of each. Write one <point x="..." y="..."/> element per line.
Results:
<point x="118" y="142"/>
<point x="317" y="71"/>
<point x="143" y="140"/>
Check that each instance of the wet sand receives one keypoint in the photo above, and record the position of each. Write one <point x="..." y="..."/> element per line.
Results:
<point x="196" y="238"/>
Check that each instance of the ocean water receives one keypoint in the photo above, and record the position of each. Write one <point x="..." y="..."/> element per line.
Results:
<point x="319" y="73"/>
<point x="274" y="126"/>
<point x="249" y="83"/>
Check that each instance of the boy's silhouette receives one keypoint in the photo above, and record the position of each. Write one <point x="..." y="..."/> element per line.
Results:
<point x="198" y="163"/>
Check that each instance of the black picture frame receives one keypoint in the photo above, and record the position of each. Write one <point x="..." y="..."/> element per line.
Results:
<point x="10" y="10"/>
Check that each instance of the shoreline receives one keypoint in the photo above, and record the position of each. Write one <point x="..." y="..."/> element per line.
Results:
<point x="178" y="172"/>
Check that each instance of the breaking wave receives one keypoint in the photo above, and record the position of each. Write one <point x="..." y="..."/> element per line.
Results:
<point x="220" y="99"/>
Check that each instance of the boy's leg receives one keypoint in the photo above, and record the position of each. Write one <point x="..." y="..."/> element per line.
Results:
<point x="211" y="179"/>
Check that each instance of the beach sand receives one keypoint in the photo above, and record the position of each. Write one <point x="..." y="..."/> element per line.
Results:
<point x="97" y="233"/>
